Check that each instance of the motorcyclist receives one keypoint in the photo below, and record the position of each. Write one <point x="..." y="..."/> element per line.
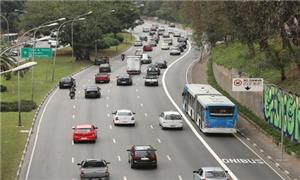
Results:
<point x="72" y="91"/>
<point x="122" y="57"/>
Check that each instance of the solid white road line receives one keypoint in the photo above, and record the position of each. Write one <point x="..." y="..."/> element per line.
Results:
<point x="169" y="158"/>
<point x="72" y="142"/>
<point x="73" y="160"/>
<point x="159" y="141"/>
<point x="179" y="177"/>
<point x="114" y="140"/>
<point x="188" y="122"/>
<point x="37" y="135"/>
<point x="119" y="158"/>
<point x="79" y="92"/>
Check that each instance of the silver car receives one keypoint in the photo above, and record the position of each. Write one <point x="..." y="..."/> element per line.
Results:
<point x="210" y="173"/>
<point x="94" y="168"/>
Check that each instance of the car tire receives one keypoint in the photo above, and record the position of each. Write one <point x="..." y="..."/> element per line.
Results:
<point x="132" y="165"/>
<point x="85" y="96"/>
<point x="155" y="166"/>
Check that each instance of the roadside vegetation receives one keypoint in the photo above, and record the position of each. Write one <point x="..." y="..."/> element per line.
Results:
<point x="13" y="138"/>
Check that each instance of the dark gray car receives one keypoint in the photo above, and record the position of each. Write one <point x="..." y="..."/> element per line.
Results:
<point x="94" y="168"/>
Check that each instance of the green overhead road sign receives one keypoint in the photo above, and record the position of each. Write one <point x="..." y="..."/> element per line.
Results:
<point x="38" y="52"/>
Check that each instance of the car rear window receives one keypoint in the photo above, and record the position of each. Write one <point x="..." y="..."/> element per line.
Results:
<point x="124" y="114"/>
<point x="144" y="153"/>
<point x="173" y="117"/>
<point x="93" y="164"/>
<point x="215" y="174"/>
<point x="84" y="129"/>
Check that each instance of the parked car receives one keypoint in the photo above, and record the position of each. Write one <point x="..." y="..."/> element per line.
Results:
<point x="151" y="80"/>
<point x="124" y="79"/>
<point x="104" y="68"/>
<point x="177" y="34"/>
<point x="146" y="59"/>
<point x="123" y="117"/>
<point x="147" y="47"/>
<point x="94" y="168"/>
<point x="153" y="70"/>
<point x="153" y="43"/>
<point x="144" y="38"/>
<point x="166" y="35"/>
<point x="142" y="155"/>
<point x="138" y="52"/>
<point x="170" y="119"/>
<point x="66" y="82"/>
<point x="175" y="51"/>
<point x="101" y="60"/>
<point x="165" y="46"/>
<point x="84" y="132"/>
<point x="161" y="64"/>
<point x="102" y="78"/>
<point x="92" y="92"/>
<point x="172" y="25"/>
<point x="210" y="173"/>
<point x="138" y="43"/>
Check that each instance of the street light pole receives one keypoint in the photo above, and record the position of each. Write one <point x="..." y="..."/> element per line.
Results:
<point x="72" y="30"/>
<point x="54" y="59"/>
<point x="7" y="24"/>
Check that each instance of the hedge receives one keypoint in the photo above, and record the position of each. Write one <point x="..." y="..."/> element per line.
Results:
<point x="26" y="106"/>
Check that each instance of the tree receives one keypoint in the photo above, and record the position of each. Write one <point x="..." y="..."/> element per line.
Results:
<point x="8" y="11"/>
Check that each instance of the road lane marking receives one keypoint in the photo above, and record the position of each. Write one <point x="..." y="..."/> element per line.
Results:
<point x="159" y="141"/>
<point x="73" y="116"/>
<point x="108" y="115"/>
<point x="110" y="126"/>
<point x="136" y="90"/>
<point x="169" y="158"/>
<point x="212" y="152"/>
<point x="146" y="114"/>
<point x="72" y="142"/>
<point x="74" y="106"/>
<point x="138" y="97"/>
<point x="89" y="80"/>
<point x="79" y="91"/>
<point x="107" y="105"/>
<point x="151" y="126"/>
<point x="37" y="134"/>
<point x="125" y="178"/>
<point x="119" y="158"/>
<point x="114" y="140"/>
<point x="242" y="161"/>
<point x="107" y="97"/>
<point x="108" y="90"/>
<point x="73" y="160"/>
<point x="141" y="104"/>
<point x="179" y="177"/>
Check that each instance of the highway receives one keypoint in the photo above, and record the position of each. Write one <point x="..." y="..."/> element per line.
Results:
<point x="52" y="154"/>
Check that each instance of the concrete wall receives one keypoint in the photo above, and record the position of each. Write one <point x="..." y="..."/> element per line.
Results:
<point x="252" y="100"/>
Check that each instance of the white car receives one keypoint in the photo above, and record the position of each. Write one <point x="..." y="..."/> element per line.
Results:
<point x="165" y="46"/>
<point x="170" y="119"/>
<point x="175" y="51"/>
<point x="138" y="43"/>
<point x="123" y="117"/>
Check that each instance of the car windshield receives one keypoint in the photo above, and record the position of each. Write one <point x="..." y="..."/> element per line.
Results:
<point x="215" y="174"/>
<point x="93" y="164"/>
<point x="173" y="117"/>
<point x="83" y="129"/>
<point x="66" y="79"/>
<point x="124" y="114"/>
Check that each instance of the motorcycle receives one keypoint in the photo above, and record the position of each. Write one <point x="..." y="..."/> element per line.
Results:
<point x="122" y="57"/>
<point x="72" y="94"/>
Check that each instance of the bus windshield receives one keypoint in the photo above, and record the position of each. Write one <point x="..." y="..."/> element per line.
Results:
<point x="221" y="111"/>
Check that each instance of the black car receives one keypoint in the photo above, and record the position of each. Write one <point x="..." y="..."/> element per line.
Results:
<point x="172" y="25"/>
<point x="161" y="64"/>
<point x="104" y="68"/>
<point x="92" y="92"/>
<point x="66" y="82"/>
<point x="124" y="79"/>
<point x="142" y="155"/>
<point x="183" y="44"/>
<point x="143" y="38"/>
<point x="152" y="69"/>
<point x="182" y="39"/>
<point x="151" y="33"/>
<point x="180" y="47"/>
<point x="101" y="60"/>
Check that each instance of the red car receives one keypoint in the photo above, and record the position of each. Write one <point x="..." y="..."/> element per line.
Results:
<point x="102" y="78"/>
<point x="84" y="132"/>
<point x="147" y="47"/>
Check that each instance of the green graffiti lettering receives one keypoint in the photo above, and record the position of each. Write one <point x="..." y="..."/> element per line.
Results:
<point x="290" y="116"/>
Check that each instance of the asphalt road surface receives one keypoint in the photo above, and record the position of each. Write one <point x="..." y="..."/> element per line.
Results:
<point x="52" y="154"/>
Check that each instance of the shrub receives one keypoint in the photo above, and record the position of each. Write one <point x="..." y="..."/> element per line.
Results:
<point x="26" y="106"/>
<point x="3" y="88"/>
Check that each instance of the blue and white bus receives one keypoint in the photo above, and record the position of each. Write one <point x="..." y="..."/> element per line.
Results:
<point x="211" y="111"/>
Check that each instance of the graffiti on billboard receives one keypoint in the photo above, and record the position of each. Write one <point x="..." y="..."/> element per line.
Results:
<point x="280" y="105"/>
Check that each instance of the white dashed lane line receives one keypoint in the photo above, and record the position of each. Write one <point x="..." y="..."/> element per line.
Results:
<point x="73" y="160"/>
<point x="124" y="178"/>
<point x="108" y="115"/>
<point x="146" y="114"/>
<point x="179" y="177"/>
<point x="114" y="140"/>
<point x="74" y="106"/>
<point x="168" y="157"/>
<point x="107" y="105"/>
<point x="159" y="141"/>
<point x="136" y="90"/>
<point x="141" y="104"/>
<point x="119" y="158"/>
<point x="72" y="142"/>
<point x="138" y="97"/>
<point x="107" y="97"/>
<point x="110" y="126"/>
<point x="73" y="116"/>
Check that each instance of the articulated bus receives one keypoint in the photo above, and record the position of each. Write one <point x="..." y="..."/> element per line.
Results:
<point x="209" y="109"/>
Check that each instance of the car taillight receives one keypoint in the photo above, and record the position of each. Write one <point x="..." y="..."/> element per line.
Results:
<point x="228" y="178"/>
<point x="81" y="172"/>
<point x="153" y="157"/>
<point x="202" y="178"/>
<point x="132" y="118"/>
<point x="117" y="118"/>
